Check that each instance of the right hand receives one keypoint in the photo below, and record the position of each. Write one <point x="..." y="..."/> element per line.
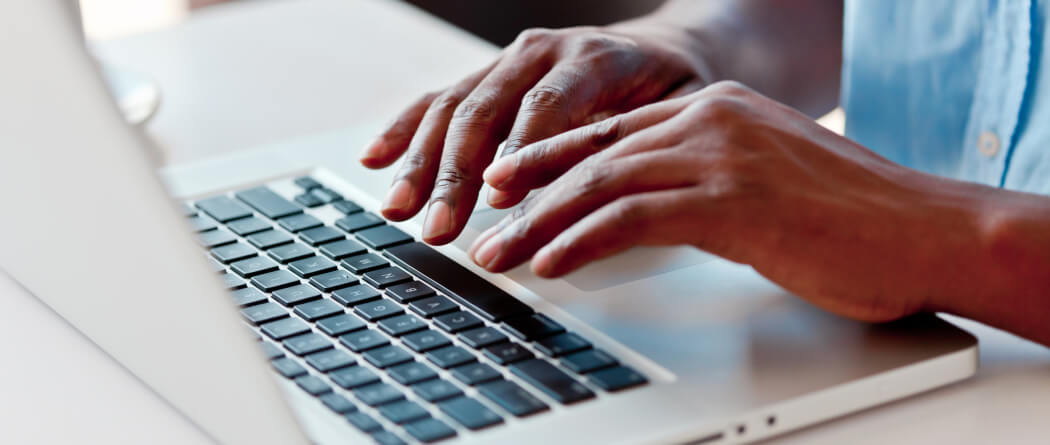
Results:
<point x="545" y="83"/>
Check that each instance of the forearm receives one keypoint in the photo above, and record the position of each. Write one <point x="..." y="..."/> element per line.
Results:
<point x="995" y="267"/>
<point x="790" y="50"/>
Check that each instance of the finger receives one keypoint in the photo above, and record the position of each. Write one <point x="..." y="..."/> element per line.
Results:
<point x="686" y="89"/>
<point x="640" y="219"/>
<point x="415" y="178"/>
<point x="479" y="123"/>
<point x="577" y="194"/>
<point x="394" y="140"/>
<point x="541" y="163"/>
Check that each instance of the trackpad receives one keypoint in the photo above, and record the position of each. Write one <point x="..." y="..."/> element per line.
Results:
<point x="633" y="265"/>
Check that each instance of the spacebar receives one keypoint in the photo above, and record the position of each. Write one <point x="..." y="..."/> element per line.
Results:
<point x="457" y="281"/>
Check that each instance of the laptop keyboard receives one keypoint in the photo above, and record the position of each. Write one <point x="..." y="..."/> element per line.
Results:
<point x="384" y="330"/>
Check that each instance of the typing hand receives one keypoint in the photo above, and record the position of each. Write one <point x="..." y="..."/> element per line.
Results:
<point x="543" y="84"/>
<point x="744" y="177"/>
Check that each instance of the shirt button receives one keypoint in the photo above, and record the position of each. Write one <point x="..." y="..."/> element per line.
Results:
<point x="988" y="144"/>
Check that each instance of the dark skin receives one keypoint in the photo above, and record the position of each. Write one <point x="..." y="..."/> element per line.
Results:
<point x="639" y="143"/>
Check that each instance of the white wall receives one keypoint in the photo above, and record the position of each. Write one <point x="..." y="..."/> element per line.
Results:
<point x="108" y="19"/>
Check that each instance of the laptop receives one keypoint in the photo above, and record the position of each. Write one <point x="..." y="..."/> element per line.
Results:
<point x="261" y="296"/>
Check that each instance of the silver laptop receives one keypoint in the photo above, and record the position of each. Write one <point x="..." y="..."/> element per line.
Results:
<point x="269" y="304"/>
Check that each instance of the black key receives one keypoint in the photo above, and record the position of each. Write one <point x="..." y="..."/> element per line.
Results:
<point x="401" y="325"/>
<point x="338" y="250"/>
<point x="340" y="324"/>
<point x="363" y="340"/>
<point x="382" y="237"/>
<point x="433" y="306"/>
<point x="435" y="390"/>
<point x="248" y="296"/>
<point x="284" y="328"/>
<point x="308" y="267"/>
<point x="406" y="292"/>
<point x="533" y="327"/>
<point x="336" y="279"/>
<point x="268" y="239"/>
<point x="411" y="373"/>
<point x="253" y="266"/>
<point x="429" y="430"/>
<point x="387" y="356"/>
<point x="216" y="266"/>
<point x="363" y="422"/>
<point x="476" y="373"/>
<point x="387" y="438"/>
<point x="313" y="385"/>
<point x="353" y="377"/>
<point x="505" y="353"/>
<point x="288" y="367"/>
<point x="551" y="380"/>
<point x="321" y="235"/>
<point x="291" y="252"/>
<point x="375" y="310"/>
<point x="425" y="340"/>
<point x="403" y="412"/>
<point x="513" y="398"/>
<point x="306" y="182"/>
<point x="364" y="263"/>
<point x="588" y="361"/>
<point x="215" y="238"/>
<point x="268" y="203"/>
<point x="359" y="221"/>
<point x="300" y="293"/>
<point x="186" y="210"/>
<point x="233" y="252"/>
<point x="326" y="195"/>
<point x="271" y="350"/>
<point x="262" y="313"/>
<point x="269" y="282"/>
<point x="562" y="344"/>
<point x="354" y="295"/>
<point x="482" y="337"/>
<point x="338" y="403"/>
<point x="450" y="356"/>
<point x="456" y="281"/>
<point x="470" y="413"/>
<point x="378" y="394"/>
<point x="248" y="226"/>
<point x="329" y="360"/>
<point x="232" y="282"/>
<point x="315" y="310"/>
<point x="202" y="224"/>
<point x="457" y="321"/>
<point x="300" y="222"/>
<point x="347" y="207"/>
<point x="308" y="200"/>
<point x="616" y="378"/>
<point x="223" y="209"/>
<point x="387" y="276"/>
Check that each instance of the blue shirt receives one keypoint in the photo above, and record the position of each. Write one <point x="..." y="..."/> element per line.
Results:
<point x="958" y="88"/>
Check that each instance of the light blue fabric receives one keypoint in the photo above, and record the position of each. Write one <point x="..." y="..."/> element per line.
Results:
<point x="923" y="79"/>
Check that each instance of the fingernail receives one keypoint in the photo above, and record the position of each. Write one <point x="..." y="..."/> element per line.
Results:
<point x="500" y="171"/>
<point x="398" y="197"/>
<point x="439" y="220"/>
<point x="373" y="150"/>
<point x="487" y="252"/>
<point x="542" y="263"/>
<point x="480" y="240"/>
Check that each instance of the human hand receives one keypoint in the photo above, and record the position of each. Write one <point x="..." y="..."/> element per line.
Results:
<point x="739" y="175"/>
<point x="543" y="84"/>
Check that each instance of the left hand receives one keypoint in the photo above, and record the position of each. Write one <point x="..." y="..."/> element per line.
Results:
<point x="739" y="175"/>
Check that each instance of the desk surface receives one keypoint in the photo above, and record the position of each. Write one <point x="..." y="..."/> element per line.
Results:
<point x="250" y="73"/>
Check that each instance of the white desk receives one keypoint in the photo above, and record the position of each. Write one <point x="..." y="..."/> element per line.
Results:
<point x="250" y="73"/>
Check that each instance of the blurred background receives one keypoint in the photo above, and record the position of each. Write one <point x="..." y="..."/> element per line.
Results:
<point x="495" y="21"/>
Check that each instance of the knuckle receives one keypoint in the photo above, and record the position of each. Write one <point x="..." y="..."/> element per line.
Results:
<point x="728" y="88"/>
<point x="594" y="44"/>
<point x="628" y="212"/>
<point x="717" y="110"/>
<point x="590" y="179"/>
<point x="445" y="103"/>
<point x="534" y="36"/>
<point x="606" y="132"/>
<point x="544" y="97"/>
<point x="414" y="161"/>
<point x="452" y="173"/>
<point x="474" y="111"/>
